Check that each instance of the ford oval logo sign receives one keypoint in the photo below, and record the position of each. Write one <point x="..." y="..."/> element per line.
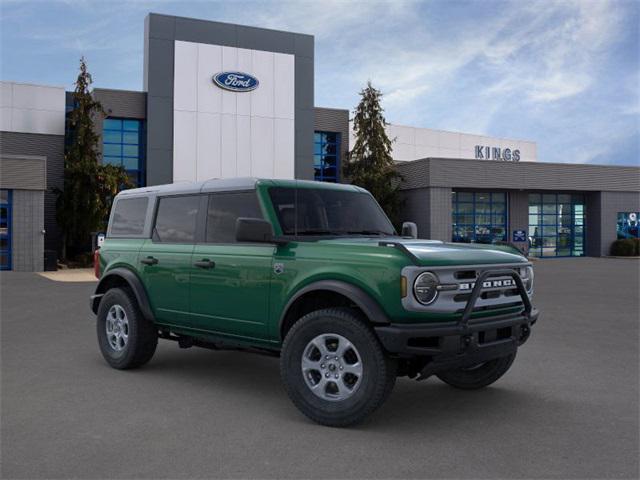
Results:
<point x="236" y="81"/>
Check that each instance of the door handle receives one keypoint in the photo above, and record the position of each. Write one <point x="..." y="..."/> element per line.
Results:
<point x="205" y="263"/>
<point x="149" y="261"/>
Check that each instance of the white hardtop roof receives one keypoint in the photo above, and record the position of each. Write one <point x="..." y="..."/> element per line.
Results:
<point x="224" y="185"/>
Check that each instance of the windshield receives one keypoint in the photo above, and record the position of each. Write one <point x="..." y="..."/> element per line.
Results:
<point x="328" y="212"/>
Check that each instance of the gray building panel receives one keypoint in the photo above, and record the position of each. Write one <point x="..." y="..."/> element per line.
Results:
<point x="304" y="84"/>
<point x="160" y="68"/>
<point x="416" y="209"/>
<point x="52" y="148"/>
<point x="26" y="231"/>
<point x="161" y="32"/>
<point x="162" y="171"/>
<point x="430" y="209"/>
<point x="24" y="172"/>
<point x="160" y="26"/>
<point x="593" y="225"/>
<point x="203" y="31"/>
<point x="489" y="174"/>
<point x="263" y="39"/>
<point x="122" y="103"/>
<point x="440" y="213"/>
<point x="518" y="205"/>
<point x="303" y="45"/>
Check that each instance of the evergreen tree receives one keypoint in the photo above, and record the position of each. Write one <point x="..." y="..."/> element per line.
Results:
<point x="369" y="163"/>
<point x="83" y="205"/>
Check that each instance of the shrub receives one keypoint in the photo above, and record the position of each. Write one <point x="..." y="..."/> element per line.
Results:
<point x="628" y="247"/>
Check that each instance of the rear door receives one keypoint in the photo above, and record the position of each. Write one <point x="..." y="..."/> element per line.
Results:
<point x="230" y="281"/>
<point x="165" y="259"/>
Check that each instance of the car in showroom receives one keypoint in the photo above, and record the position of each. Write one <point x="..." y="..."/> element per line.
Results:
<point x="316" y="274"/>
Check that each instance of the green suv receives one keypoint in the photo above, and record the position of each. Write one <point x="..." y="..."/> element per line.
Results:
<point x="312" y="272"/>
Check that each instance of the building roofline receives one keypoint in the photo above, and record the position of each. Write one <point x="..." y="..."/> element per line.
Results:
<point x="117" y="90"/>
<point x="480" y="161"/>
<point x="30" y="84"/>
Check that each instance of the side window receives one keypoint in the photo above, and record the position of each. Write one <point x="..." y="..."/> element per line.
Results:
<point x="176" y="219"/>
<point x="128" y="216"/>
<point x="224" y="210"/>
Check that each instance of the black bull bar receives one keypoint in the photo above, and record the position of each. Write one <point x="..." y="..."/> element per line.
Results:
<point x="464" y="343"/>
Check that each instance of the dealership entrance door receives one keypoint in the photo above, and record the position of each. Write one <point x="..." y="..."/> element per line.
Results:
<point x="5" y="229"/>
<point x="556" y="225"/>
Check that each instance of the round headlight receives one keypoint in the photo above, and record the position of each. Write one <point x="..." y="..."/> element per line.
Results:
<point x="425" y="288"/>
<point x="528" y="280"/>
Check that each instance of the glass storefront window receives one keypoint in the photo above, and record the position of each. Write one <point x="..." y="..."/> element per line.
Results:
<point x="123" y="145"/>
<point x="326" y="156"/>
<point x="5" y="229"/>
<point x="479" y="217"/>
<point x="556" y="225"/>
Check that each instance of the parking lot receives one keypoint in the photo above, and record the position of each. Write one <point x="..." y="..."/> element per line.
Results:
<point x="567" y="409"/>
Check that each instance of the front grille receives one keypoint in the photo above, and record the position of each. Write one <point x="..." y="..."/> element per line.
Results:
<point x="497" y="292"/>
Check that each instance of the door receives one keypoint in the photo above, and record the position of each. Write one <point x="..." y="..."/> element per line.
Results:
<point x="230" y="281"/>
<point x="5" y="229"/>
<point x="165" y="259"/>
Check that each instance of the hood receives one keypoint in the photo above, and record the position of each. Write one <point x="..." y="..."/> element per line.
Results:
<point x="437" y="253"/>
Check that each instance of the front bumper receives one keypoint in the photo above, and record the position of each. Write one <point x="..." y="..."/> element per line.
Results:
<point x="489" y="334"/>
<point x="464" y="343"/>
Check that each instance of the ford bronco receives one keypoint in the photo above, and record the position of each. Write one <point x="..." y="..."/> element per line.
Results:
<point x="312" y="272"/>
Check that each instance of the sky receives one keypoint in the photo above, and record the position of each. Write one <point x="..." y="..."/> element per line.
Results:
<point x="565" y="74"/>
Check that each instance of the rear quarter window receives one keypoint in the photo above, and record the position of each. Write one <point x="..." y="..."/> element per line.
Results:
<point x="128" y="216"/>
<point x="176" y="219"/>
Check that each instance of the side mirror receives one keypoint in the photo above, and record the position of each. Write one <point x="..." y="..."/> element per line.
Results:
<point x="254" y="230"/>
<point x="409" y="229"/>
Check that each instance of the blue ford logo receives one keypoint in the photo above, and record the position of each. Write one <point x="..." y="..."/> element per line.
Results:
<point x="236" y="81"/>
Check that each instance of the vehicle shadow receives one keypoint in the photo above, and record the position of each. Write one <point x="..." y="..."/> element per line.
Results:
<point x="412" y="405"/>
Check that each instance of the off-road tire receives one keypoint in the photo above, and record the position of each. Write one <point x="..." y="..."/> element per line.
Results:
<point x="142" y="333"/>
<point x="480" y="377"/>
<point x="379" y="371"/>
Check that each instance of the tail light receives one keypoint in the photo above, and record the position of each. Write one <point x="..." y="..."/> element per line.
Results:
<point x="96" y="263"/>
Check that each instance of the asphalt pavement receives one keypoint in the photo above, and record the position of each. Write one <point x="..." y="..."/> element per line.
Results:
<point x="568" y="408"/>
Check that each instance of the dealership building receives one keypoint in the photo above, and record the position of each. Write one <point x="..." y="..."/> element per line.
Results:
<point x="222" y="100"/>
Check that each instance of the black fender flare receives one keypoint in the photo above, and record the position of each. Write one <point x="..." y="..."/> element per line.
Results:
<point x="133" y="281"/>
<point x="363" y="300"/>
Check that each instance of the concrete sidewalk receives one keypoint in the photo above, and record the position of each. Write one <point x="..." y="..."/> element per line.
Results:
<point x="70" y="275"/>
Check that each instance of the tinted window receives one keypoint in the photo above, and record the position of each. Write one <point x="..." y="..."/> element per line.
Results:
<point x="224" y="210"/>
<point x="176" y="219"/>
<point x="128" y="216"/>
<point x="328" y="212"/>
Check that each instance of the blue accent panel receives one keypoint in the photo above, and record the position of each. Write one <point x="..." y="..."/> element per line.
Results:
<point x="326" y="158"/>
<point x="6" y="213"/>
<point x="123" y="145"/>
